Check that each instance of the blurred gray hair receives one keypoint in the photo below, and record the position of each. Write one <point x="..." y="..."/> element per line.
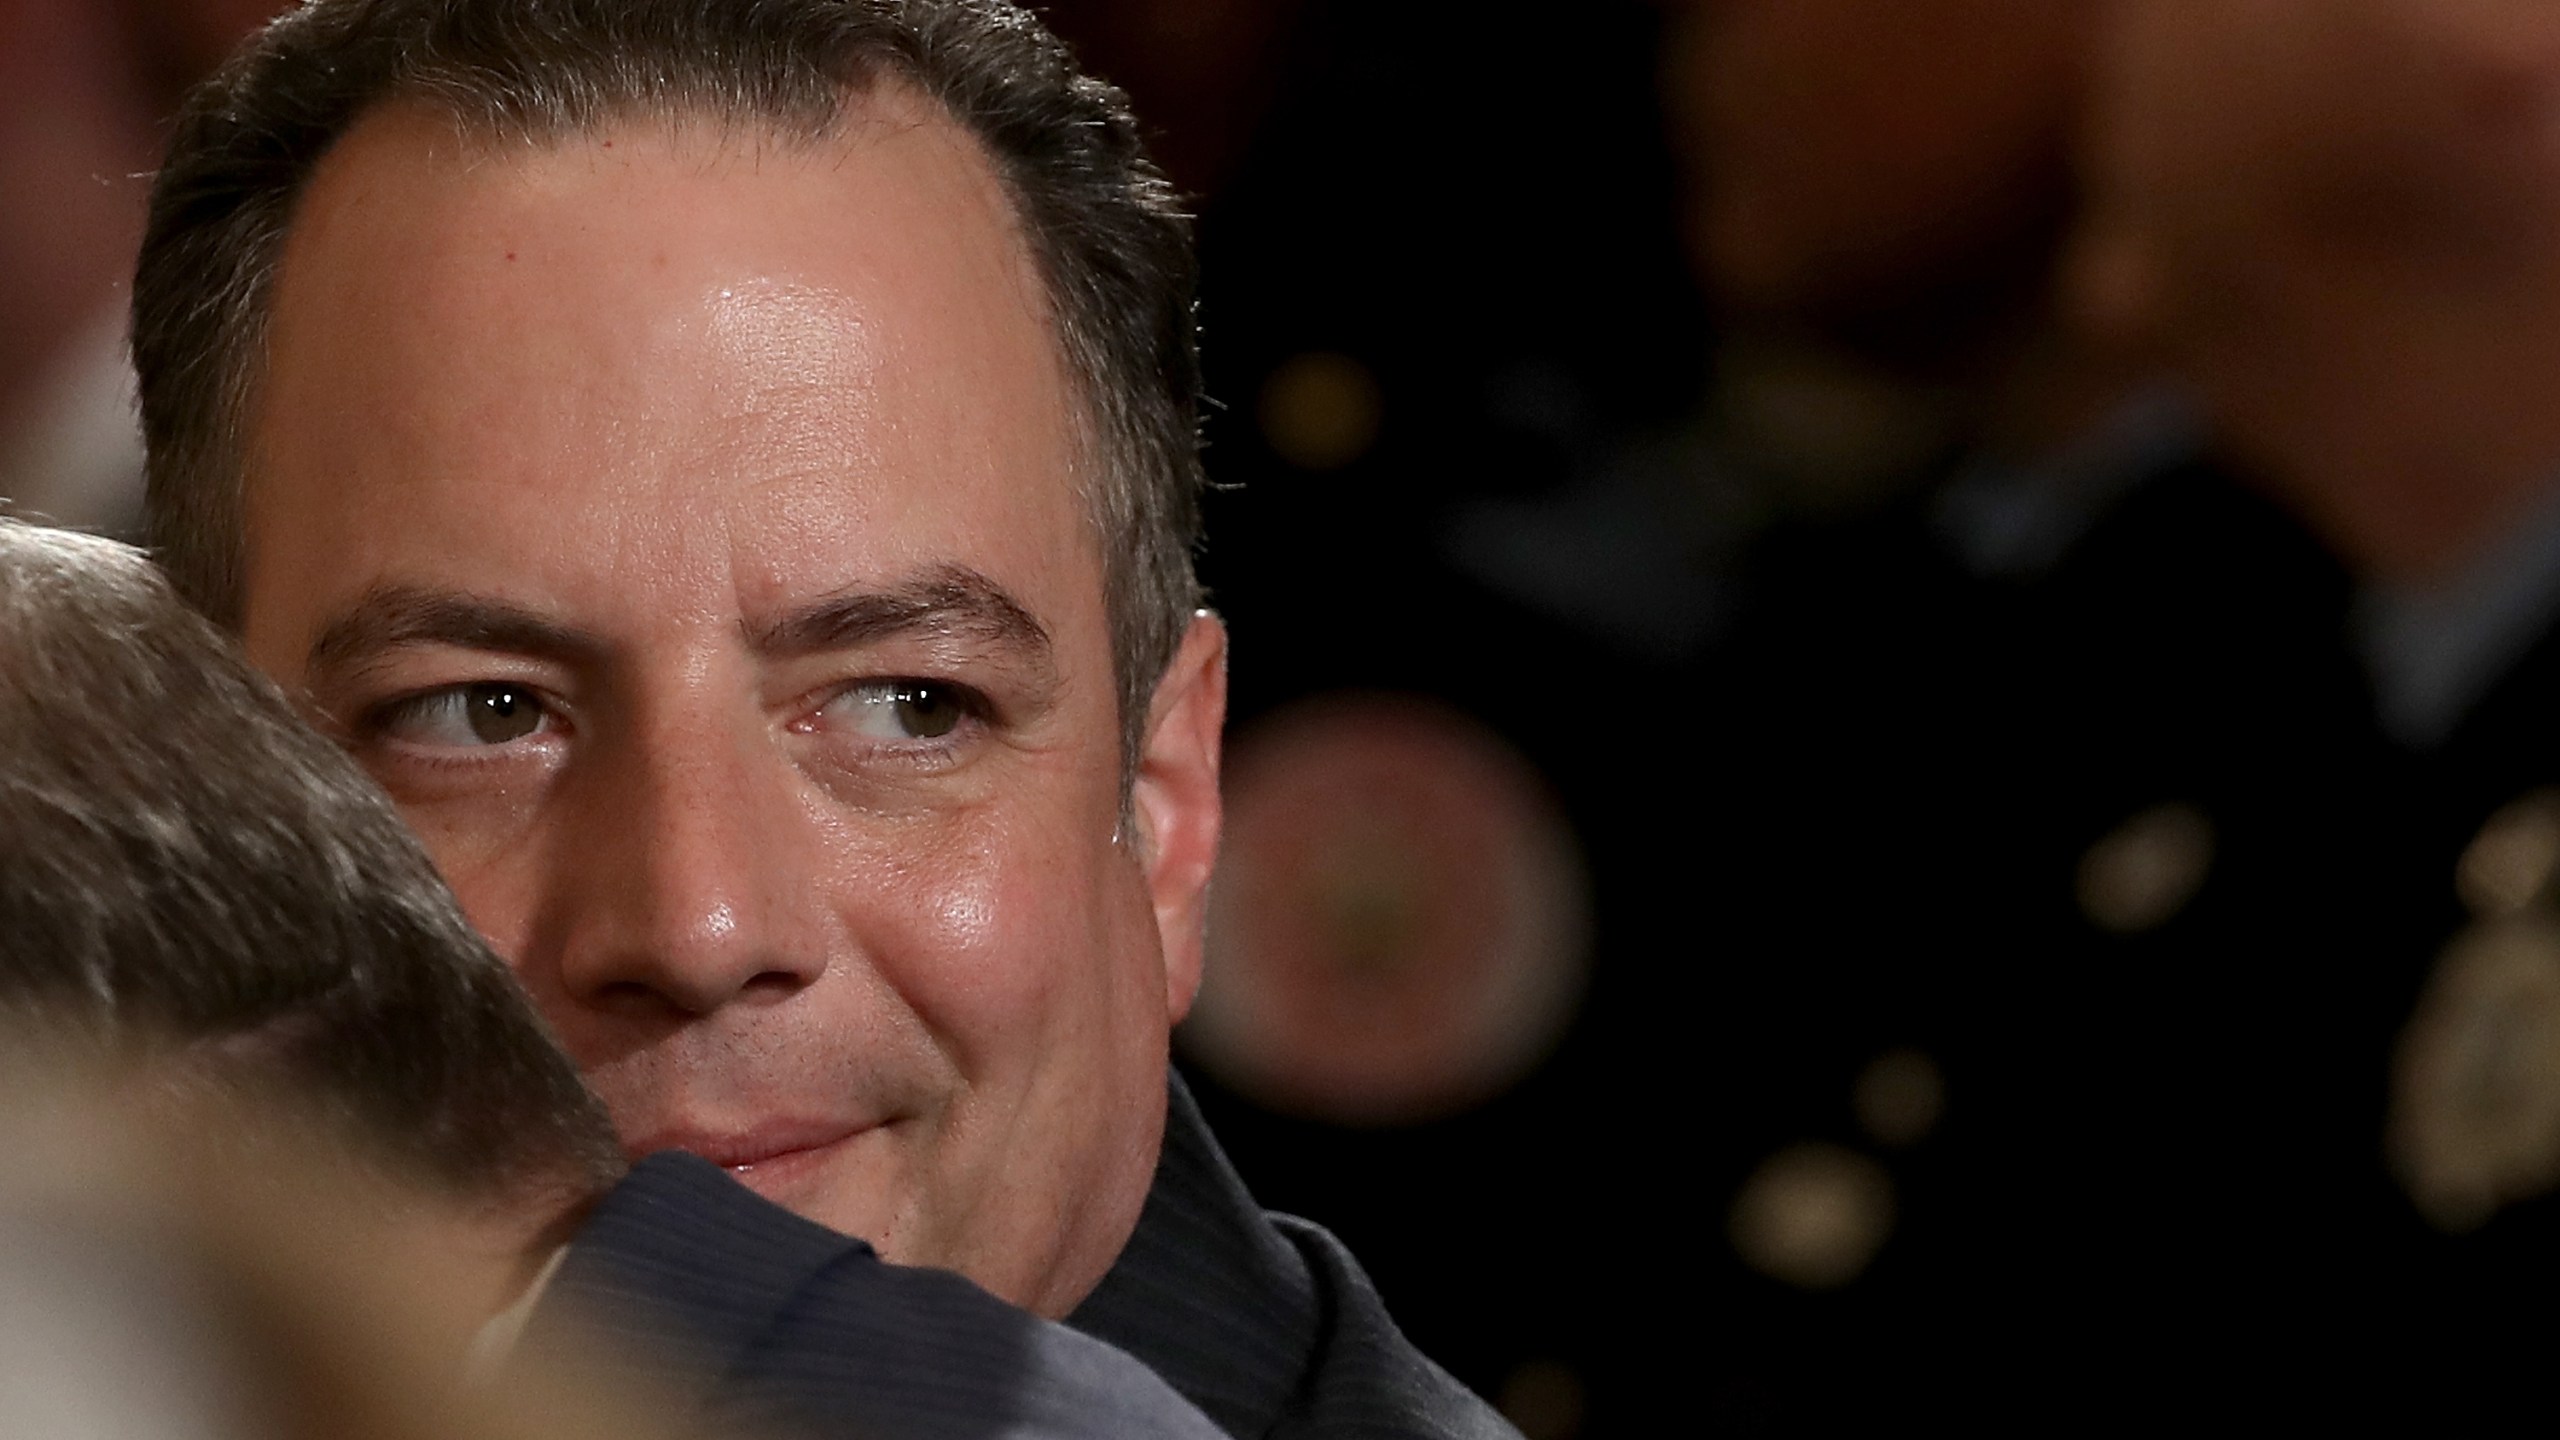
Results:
<point x="184" y="863"/>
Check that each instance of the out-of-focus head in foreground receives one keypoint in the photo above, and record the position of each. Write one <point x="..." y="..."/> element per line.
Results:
<point x="282" y="1131"/>
<point x="729" y="472"/>
<point x="190" y="876"/>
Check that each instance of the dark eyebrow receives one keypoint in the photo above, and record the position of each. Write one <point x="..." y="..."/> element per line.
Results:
<point x="388" y="617"/>
<point x="949" y="601"/>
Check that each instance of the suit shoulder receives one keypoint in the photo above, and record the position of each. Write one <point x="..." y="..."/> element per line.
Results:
<point x="1369" y="1380"/>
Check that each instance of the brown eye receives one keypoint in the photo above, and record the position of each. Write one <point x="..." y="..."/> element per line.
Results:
<point x="500" y="713"/>
<point x="897" y="711"/>
<point x="478" y="716"/>
<point x="927" y="712"/>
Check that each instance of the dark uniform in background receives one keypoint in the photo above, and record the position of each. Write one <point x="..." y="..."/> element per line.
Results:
<point x="2037" y="853"/>
<point x="2010" y="898"/>
<point x="2325" y="217"/>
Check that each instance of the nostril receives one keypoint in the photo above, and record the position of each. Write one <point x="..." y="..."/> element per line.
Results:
<point x="773" y="985"/>
<point x="632" y="996"/>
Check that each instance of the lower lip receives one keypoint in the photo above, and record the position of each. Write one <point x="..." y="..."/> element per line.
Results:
<point x="778" y="1176"/>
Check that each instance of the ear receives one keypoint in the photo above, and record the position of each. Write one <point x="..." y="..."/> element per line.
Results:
<point x="1176" y="800"/>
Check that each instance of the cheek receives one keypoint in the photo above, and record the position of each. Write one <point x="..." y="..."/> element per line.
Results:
<point x="488" y="848"/>
<point x="1006" y="934"/>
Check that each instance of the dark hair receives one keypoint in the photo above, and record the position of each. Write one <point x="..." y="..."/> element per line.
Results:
<point x="184" y="863"/>
<point x="1101" y="221"/>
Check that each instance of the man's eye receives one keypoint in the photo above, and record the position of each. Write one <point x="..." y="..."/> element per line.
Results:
<point x="895" y="710"/>
<point x="467" y="716"/>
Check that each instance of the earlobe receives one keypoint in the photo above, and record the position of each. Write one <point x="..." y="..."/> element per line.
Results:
<point x="1177" y="803"/>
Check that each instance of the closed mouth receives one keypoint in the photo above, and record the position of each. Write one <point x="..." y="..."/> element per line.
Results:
<point x="762" y="1149"/>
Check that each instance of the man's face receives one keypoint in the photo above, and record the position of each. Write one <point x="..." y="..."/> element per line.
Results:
<point x="685" y="529"/>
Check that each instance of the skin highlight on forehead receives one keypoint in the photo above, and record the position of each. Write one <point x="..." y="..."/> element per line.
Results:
<point x="804" y="382"/>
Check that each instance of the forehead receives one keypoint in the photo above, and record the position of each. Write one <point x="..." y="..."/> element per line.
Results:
<point x="697" y="345"/>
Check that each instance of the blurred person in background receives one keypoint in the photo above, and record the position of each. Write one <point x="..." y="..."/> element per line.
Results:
<point x="2339" y="220"/>
<point x="86" y="89"/>
<point x="2004" y="814"/>
<point x="2087" y="803"/>
<point x="194" y="883"/>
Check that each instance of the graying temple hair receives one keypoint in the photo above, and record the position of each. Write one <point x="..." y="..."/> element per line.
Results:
<point x="183" y="863"/>
<point x="1101" y="222"/>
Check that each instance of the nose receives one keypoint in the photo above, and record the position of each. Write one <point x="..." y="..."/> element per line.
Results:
<point x="688" y="869"/>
